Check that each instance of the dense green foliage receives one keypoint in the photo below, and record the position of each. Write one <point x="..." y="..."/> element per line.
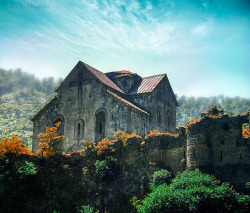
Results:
<point x="107" y="169"/>
<point x="21" y="96"/>
<point x="161" y="177"/>
<point x="27" y="169"/>
<point x="193" y="191"/>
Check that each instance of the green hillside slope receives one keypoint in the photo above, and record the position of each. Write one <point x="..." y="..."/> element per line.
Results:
<point x="21" y="96"/>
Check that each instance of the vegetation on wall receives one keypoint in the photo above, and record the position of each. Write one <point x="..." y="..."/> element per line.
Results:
<point x="111" y="181"/>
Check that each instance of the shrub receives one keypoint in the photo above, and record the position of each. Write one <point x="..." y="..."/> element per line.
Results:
<point x="49" y="141"/>
<point x="85" y="209"/>
<point x="27" y="169"/>
<point x="161" y="177"/>
<point x="194" y="192"/>
<point x="107" y="169"/>
<point x="15" y="145"/>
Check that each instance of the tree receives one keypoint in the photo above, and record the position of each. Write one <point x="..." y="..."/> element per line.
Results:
<point x="15" y="145"/>
<point x="50" y="141"/>
<point x="193" y="191"/>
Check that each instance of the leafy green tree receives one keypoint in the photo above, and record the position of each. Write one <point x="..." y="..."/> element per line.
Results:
<point x="193" y="191"/>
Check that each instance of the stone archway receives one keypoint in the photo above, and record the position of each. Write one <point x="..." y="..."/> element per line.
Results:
<point x="59" y="118"/>
<point x="100" y="125"/>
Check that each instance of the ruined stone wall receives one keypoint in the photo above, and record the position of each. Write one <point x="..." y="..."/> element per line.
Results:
<point x="166" y="152"/>
<point x="216" y="144"/>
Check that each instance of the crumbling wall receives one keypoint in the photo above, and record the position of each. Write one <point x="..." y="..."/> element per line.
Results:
<point x="216" y="145"/>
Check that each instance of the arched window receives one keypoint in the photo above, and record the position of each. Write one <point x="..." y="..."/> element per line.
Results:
<point x="159" y="115"/>
<point x="79" y="129"/>
<point x="59" y="118"/>
<point x="100" y="125"/>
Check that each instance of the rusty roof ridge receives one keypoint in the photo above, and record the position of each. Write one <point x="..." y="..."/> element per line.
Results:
<point x="154" y="75"/>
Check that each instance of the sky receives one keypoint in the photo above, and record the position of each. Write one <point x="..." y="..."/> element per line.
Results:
<point x="202" y="45"/>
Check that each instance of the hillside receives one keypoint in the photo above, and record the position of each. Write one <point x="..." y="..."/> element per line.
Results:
<point x="22" y="95"/>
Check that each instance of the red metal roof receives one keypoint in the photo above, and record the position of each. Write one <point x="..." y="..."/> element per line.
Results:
<point x="102" y="77"/>
<point x="148" y="84"/>
<point x="127" y="102"/>
<point x="125" y="72"/>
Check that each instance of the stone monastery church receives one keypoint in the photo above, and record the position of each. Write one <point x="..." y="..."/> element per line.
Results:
<point x="92" y="105"/>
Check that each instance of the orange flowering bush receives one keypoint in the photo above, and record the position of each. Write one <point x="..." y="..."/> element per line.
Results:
<point x="49" y="141"/>
<point x="15" y="145"/>
<point x="123" y="136"/>
<point x="191" y="122"/>
<point x="245" y="132"/>
<point x="156" y="132"/>
<point x="104" y="145"/>
<point x="107" y="144"/>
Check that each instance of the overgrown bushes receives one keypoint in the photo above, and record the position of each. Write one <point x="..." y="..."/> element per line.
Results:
<point x="193" y="191"/>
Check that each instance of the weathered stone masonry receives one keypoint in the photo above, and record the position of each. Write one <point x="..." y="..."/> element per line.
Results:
<point x="213" y="145"/>
<point x="92" y="105"/>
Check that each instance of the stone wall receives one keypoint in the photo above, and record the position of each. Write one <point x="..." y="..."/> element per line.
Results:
<point x="216" y="145"/>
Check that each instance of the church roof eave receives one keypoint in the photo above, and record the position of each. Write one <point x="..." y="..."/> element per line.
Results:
<point x="128" y="103"/>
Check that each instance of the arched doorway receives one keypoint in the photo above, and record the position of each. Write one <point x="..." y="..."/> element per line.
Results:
<point x="100" y="125"/>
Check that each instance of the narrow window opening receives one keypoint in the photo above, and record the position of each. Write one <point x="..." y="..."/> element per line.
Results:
<point x="79" y="130"/>
<point x="221" y="157"/>
<point x="240" y="155"/>
<point x="184" y="155"/>
<point x="100" y="128"/>
<point x="194" y="153"/>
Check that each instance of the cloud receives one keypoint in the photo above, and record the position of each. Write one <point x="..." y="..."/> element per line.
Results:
<point x="184" y="38"/>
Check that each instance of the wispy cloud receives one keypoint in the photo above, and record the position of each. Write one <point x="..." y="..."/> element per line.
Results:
<point x="183" y="38"/>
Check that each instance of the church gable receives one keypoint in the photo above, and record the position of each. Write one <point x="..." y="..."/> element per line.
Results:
<point x="93" y="105"/>
<point x="78" y="75"/>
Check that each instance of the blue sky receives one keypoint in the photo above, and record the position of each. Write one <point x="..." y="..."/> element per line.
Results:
<point x="202" y="45"/>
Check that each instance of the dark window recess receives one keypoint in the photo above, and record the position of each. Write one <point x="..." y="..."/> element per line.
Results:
<point x="225" y="126"/>
<point x="100" y="128"/>
<point x="240" y="155"/>
<point x="221" y="157"/>
<point x="194" y="153"/>
<point x="79" y="130"/>
<point x="184" y="155"/>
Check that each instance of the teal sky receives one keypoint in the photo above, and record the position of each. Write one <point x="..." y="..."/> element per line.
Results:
<point x="202" y="45"/>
